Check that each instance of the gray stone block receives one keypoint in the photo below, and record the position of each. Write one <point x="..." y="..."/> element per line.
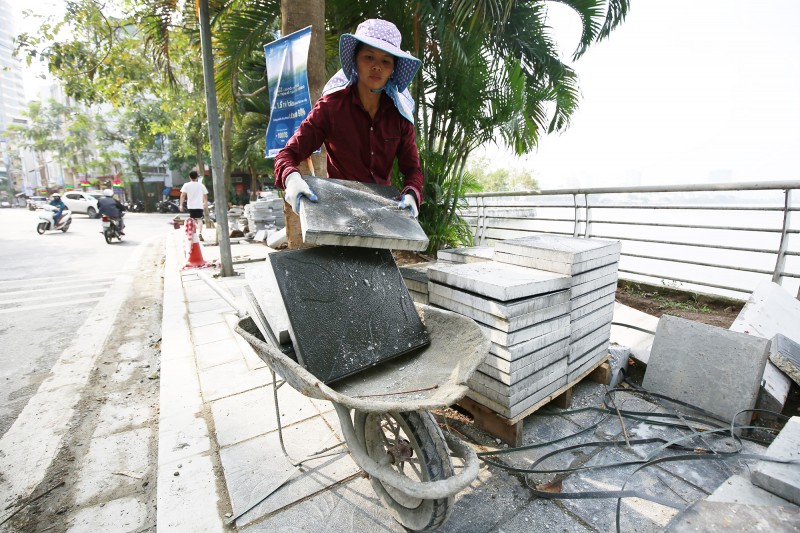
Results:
<point x="559" y="248"/>
<point x="419" y="297"/>
<point x="591" y="322"/>
<point x="471" y="254"/>
<point x="589" y="286"/>
<point x="417" y="271"/>
<point x="261" y="280"/>
<point x="508" y="325"/>
<point x="418" y="286"/>
<point x="785" y="354"/>
<point x="782" y="479"/>
<point x="737" y="489"/>
<point x="710" y="516"/>
<point x="569" y="269"/>
<point x="516" y="410"/>
<point x="575" y="371"/>
<point x="688" y="356"/>
<point x="502" y="370"/>
<point x="519" y="351"/>
<point x="351" y="213"/>
<point x="496" y="307"/>
<point x="522" y="335"/>
<point x="596" y="294"/>
<point x="578" y="312"/>
<point x="512" y="394"/>
<point x="498" y="280"/>
<point x="579" y="347"/>
<point x="595" y="273"/>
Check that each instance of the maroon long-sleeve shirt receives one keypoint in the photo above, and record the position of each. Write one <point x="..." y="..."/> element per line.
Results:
<point x="359" y="148"/>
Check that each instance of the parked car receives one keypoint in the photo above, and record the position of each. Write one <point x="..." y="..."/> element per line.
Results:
<point x="81" y="202"/>
<point x="36" y="202"/>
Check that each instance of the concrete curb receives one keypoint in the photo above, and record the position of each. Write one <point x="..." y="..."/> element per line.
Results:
<point x="188" y="495"/>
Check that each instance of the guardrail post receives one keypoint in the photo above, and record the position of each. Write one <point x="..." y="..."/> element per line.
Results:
<point x="576" y="217"/>
<point x="588" y="228"/>
<point x="780" y="262"/>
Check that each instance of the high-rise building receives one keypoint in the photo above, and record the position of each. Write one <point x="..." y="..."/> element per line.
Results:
<point x="12" y="90"/>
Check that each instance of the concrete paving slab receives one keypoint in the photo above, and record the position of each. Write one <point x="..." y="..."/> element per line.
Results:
<point x="350" y="213"/>
<point x="216" y="353"/>
<point x="252" y="413"/>
<point x="208" y="305"/>
<point x="553" y="353"/>
<point x="418" y="286"/>
<point x="499" y="281"/>
<point x="596" y="294"/>
<point x="254" y="467"/>
<point x="121" y="452"/>
<point x="588" y="286"/>
<point x="581" y="346"/>
<point x="590" y="322"/>
<point x="640" y="342"/>
<point x="508" y="325"/>
<point x="195" y="488"/>
<point x="705" y="515"/>
<point x="317" y="283"/>
<point x="261" y="280"/>
<point x="231" y="378"/>
<point x="251" y="359"/>
<point x="418" y="271"/>
<point x="211" y="333"/>
<point x="351" y="506"/>
<point x="496" y="307"/>
<point x="204" y="318"/>
<point x="739" y="489"/>
<point x="595" y="273"/>
<point x="469" y="254"/>
<point x="578" y="368"/>
<point x="516" y="410"/>
<point x="117" y="414"/>
<point x="785" y="354"/>
<point x="579" y="312"/>
<point x="123" y="514"/>
<point x="525" y="334"/>
<point x="559" y="248"/>
<point x="687" y="356"/>
<point x="418" y="297"/>
<point x="509" y="395"/>
<point x="568" y="269"/>
<point x="519" y="351"/>
<point x="782" y="479"/>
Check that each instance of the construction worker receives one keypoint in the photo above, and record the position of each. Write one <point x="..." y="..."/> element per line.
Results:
<point x="364" y="118"/>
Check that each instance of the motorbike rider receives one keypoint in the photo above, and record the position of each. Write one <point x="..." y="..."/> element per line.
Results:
<point x="113" y="208"/>
<point x="56" y="202"/>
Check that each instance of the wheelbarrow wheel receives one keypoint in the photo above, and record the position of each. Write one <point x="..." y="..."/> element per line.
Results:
<point x="412" y="443"/>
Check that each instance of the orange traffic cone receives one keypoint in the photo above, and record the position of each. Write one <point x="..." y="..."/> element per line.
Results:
<point x="195" y="253"/>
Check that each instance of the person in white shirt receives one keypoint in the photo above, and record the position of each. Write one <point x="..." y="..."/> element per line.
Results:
<point x="195" y="194"/>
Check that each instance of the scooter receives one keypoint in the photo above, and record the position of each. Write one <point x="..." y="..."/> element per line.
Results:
<point x="168" y="207"/>
<point x="46" y="214"/>
<point x="136" y="207"/>
<point x="110" y="229"/>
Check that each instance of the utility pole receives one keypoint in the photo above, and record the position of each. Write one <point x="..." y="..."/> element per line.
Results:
<point x="220" y="194"/>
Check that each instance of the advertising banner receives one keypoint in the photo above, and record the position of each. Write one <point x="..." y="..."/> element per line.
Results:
<point x="287" y="81"/>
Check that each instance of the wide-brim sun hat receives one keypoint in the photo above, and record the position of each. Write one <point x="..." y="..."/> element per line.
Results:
<point x="383" y="35"/>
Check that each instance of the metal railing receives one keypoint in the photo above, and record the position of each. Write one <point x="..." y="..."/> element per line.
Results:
<point x="719" y="238"/>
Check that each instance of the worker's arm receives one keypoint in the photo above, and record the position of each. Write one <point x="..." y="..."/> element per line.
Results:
<point x="183" y="197"/>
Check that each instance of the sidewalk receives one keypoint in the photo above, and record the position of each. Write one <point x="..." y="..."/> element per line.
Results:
<point x="220" y="456"/>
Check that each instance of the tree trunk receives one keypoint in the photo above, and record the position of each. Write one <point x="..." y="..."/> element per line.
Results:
<point x="296" y="15"/>
<point x="137" y="169"/>
<point x="227" y="134"/>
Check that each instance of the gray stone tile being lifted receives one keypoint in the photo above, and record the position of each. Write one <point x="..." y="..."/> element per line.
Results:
<point x="687" y="356"/>
<point x="499" y="281"/>
<point x="470" y="254"/>
<point x="348" y="308"/>
<point x="351" y="213"/>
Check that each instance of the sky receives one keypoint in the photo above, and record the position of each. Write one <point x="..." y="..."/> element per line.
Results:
<point x="684" y="91"/>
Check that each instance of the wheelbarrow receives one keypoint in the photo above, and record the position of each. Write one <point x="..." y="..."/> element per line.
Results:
<point x="385" y="415"/>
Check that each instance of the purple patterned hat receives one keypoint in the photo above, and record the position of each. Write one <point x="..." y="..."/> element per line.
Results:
<point x="385" y="36"/>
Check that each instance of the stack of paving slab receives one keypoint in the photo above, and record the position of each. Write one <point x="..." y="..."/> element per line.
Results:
<point x="416" y="275"/>
<point x="591" y="265"/>
<point x="265" y="213"/>
<point x="525" y="314"/>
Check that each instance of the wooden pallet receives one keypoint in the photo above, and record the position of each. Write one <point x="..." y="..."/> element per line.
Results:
<point x="509" y="430"/>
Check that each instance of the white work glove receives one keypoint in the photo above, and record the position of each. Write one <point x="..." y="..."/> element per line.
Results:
<point x="408" y="202"/>
<point x="295" y="188"/>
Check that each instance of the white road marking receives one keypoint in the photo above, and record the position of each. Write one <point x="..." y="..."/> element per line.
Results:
<point x="30" y="445"/>
<point x="50" y="304"/>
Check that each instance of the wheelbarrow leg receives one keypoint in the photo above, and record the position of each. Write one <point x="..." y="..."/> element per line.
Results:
<point x="294" y="462"/>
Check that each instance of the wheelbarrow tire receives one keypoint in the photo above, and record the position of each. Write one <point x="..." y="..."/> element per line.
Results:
<point x="431" y="456"/>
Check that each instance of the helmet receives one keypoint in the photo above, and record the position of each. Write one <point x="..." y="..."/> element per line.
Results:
<point x="56" y="195"/>
<point x="107" y="192"/>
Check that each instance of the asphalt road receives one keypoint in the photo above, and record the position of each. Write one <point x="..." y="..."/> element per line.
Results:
<point x="49" y="285"/>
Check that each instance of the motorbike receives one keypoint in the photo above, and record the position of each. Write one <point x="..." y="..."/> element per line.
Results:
<point x="136" y="207"/>
<point x="168" y="207"/>
<point x="110" y="229"/>
<point x="46" y="214"/>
